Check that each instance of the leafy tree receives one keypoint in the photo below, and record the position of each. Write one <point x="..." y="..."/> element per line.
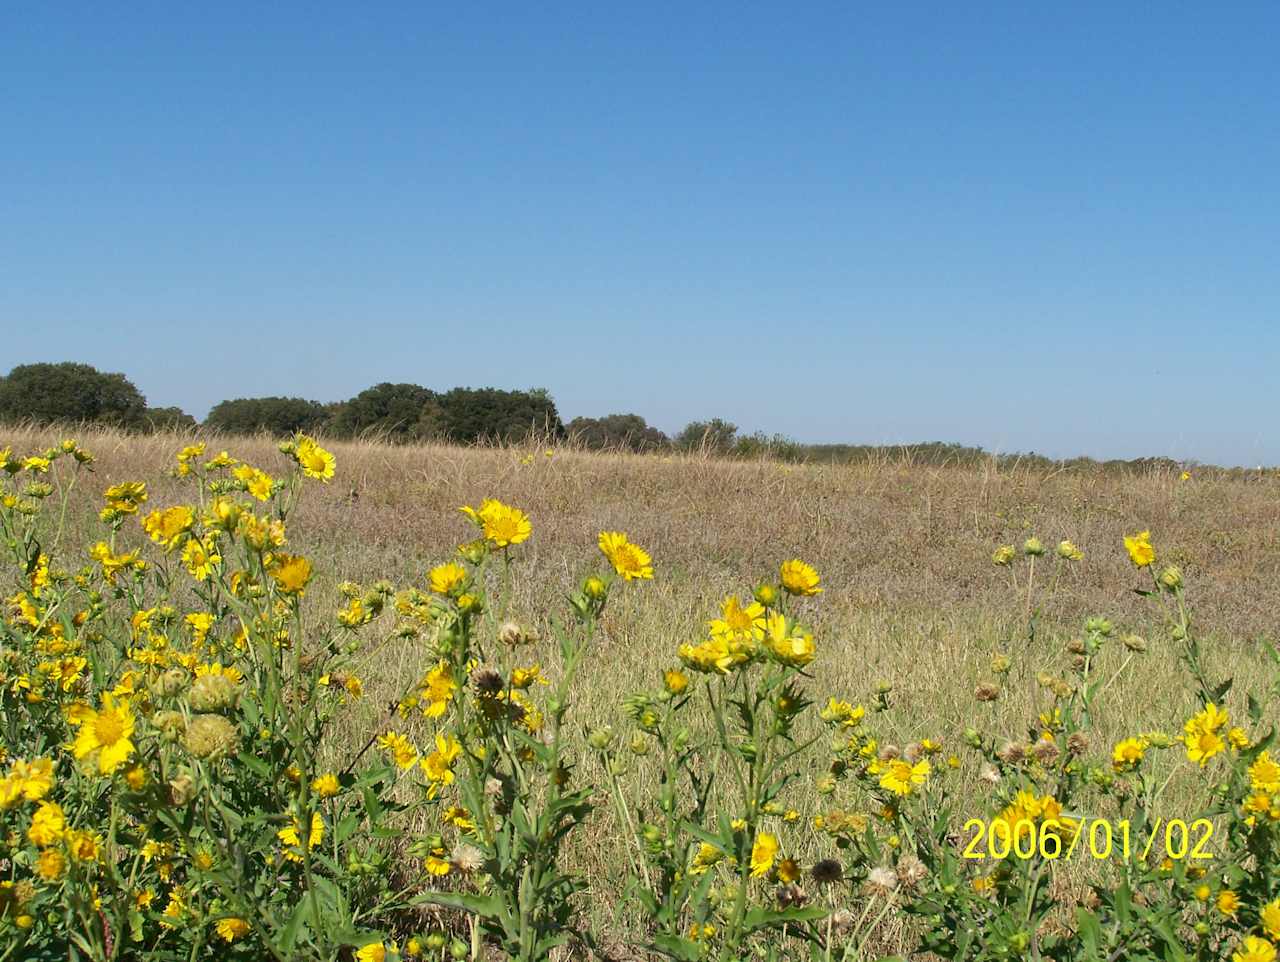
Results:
<point x="395" y="411"/>
<point x="715" y="436"/>
<point x="69" y="391"/>
<point x="469" y="415"/>
<point x="276" y="415"/>
<point x="622" y="431"/>
<point x="167" y="419"/>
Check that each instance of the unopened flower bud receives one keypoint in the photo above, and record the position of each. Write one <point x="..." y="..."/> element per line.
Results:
<point x="599" y="738"/>
<point x="1134" y="642"/>
<point x="767" y="595"/>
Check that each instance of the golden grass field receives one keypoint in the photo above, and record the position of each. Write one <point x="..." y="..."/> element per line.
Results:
<point x="911" y="597"/>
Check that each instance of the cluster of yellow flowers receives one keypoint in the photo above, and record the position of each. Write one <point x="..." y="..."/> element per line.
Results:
<point x="171" y="785"/>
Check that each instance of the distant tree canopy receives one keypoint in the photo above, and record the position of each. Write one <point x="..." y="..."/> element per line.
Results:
<point x="398" y="412"/>
<point x="275" y="415"/>
<point x="70" y="392"/>
<point x="715" y="436"/>
<point x="621" y="431"/>
<point x="469" y="415"/>
<point x="168" y="419"/>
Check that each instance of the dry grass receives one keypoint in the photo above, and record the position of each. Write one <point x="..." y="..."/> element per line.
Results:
<point x="911" y="597"/>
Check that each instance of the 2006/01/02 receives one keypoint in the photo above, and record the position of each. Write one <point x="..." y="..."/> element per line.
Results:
<point x="1026" y="839"/>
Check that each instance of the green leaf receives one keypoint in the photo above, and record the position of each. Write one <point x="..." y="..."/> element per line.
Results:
<point x="485" y="906"/>
<point x="675" y="947"/>
<point x="763" y="918"/>
<point x="1090" y="933"/>
<point x="703" y="835"/>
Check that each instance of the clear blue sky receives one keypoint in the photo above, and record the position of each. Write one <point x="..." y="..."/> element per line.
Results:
<point x="1025" y="225"/>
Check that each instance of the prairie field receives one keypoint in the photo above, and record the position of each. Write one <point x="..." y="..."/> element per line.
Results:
<point x="911" y="614"/>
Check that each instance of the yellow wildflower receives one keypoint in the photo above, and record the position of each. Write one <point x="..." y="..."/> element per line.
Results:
<point x="107" y="732"/>
<point x="628" y="560"/>
<point x="763" y="852"/>
<point x="799" y="578"/>
<point x="1139" y="547"/>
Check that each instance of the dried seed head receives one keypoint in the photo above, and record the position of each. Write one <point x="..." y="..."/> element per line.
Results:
<point x="1013" y="753"/>
<point x="1046" y="751"/>
<point x="487" y="681"/>
<point x="827" y="872"/>
<point x="911" y="871"/>
<point x="881" y="881"/>
<point x="467" y="859"/>
<point x="986" y="692"/>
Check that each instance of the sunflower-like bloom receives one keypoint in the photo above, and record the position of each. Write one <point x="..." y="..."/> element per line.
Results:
<point x="1264" y="776"/>
<point x="113" y="564"/>
<point x="437" y="689"/>
<point x="1139" y="547"/>
<point x="763" y="852"/>
<point x="1201" y="734"/>
<point x="47" y="825"/>
<point x="718" y="655"/>
<point x="901" y="777"/>
<point x="291" y="836"/>
<point x="291" y="573"/>
<point x="1270" y="918"/>
<point x="201" y="557"/>
<point x="1254" y="949"/>
<point x="106" y="732"/>
<point x="788" y="643"/>
<point x="314" y="460"/>
<point x="26" y="781"/>
<point x="326" y="785"/>
<point x="230" y="929"/>
<point x="125" y="497"/>
<point x="1126" y="754"/>
<point x="739" y="623"/>
<point x="843" y="713"/>
<point x="399" y="748"/>
<point x="799" y="578"/>
<point x="447" y="578"/>
<point x="706" y="856"/>
<point x="501" y="524"/>
<point x="257" y="483"/>
<point x="439" y="764"/>
<point x="628" y="560"/>
<point x="169" y="526"/>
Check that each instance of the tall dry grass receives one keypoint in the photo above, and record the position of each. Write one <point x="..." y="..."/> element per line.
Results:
<point x="911" y="596"/>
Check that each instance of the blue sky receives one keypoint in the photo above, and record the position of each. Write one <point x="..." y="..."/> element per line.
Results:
<point x="1041" y="227"/>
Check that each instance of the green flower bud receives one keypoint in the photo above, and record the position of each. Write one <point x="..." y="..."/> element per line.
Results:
<point x="1171" y="578"/>
<point x="600" y="738"/>
<point x="767" y="595"/>
<point x="1032" y="548"/>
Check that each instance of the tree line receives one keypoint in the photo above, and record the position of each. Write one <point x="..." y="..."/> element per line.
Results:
<point x="73" y="393"/>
